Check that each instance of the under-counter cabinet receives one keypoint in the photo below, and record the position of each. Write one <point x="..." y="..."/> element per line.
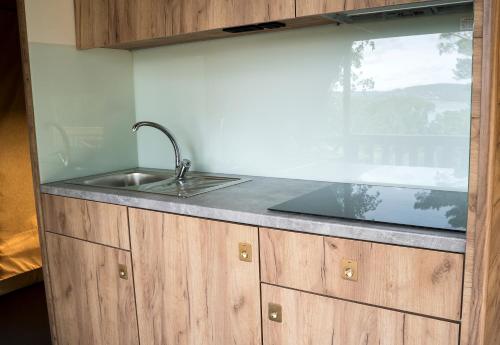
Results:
<point x="196" y="280"/>
<point x="92" y="293"/>
<point x="190" y="281"/>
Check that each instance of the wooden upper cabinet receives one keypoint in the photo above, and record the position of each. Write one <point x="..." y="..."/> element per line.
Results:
<point x="420" y="281"/>
<point x="362" y="4"/>
<point x="190" y="16"/>
<point x="93" y="303"/>
<point x="103" y="23"/>
<point x="312" y="7"/>
<point x="92" y="23"/>
<point x="88" y="220"/>
<point x="311" y="319"/>
<point x="196" y="281"/>
<point x="136" y="20"/>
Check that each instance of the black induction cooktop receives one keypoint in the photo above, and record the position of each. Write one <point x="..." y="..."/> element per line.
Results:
<point x="396" y="205"/>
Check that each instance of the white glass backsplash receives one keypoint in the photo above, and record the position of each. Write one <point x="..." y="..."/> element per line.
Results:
<point x="382" y="102"/>
<point x="84" y="110"/>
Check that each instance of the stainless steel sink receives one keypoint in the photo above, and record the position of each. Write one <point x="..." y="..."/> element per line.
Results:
<point x="124" y="180"/>
<point x="160" y="182"/>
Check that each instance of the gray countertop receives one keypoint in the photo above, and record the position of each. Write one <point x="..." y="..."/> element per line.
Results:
<point x="247" y="203"/>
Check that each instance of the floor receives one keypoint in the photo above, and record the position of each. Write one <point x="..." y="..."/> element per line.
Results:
<point x="23" y="317"/>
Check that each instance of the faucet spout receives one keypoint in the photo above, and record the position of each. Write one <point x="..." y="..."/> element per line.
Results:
<point x="181" y="165"/>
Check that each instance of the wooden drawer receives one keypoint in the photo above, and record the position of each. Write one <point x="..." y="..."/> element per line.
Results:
<point x="311" y="319"/>
<point x="416" y="280"/>
<point x="88" y="220"/>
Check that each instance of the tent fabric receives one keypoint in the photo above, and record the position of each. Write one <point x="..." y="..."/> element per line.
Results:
<point x="19" y="253"/>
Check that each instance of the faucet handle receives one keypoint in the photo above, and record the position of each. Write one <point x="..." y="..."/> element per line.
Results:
<point x="183" y="168"/>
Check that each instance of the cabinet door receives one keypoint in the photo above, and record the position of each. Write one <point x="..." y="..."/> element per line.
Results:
<point x="191" y="285"/>
<point x="92" y="23"/>
<point x="190" y="16"/>
<point x="93" y="303"/>
<point x="312" y="319"/>
<point x="312" y="7"/>
<point x="135" y="20"/>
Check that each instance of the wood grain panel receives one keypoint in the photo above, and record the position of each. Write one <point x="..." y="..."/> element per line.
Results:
<point x="191" y="287"/>
<point x="420" y="281"/>
<point x="28" y="97"/>
<point x="92" y="23"/>
<point x="477" y="67"/>
<point x="312" y="7"/>
<point x="217" y="33"/>
<point x="93" y="305"/>
<point x="362" y="4"/>
<point x="492" y="302"/>
<point x="478" y="18"/>
<point x="133" y="20"/>
<point x="481" y="302"/>
<point x="311" y="319"/>
<point x="190" y="16"/>
<point x="92" y="221"/>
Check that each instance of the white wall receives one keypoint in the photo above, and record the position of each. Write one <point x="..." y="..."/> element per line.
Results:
<point x="279" y="104"/>
<point x="83" y="100"/>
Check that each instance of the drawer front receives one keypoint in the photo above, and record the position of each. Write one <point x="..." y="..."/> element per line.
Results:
<point x="311" y="319"/>
<point x="416" y="280"/>
<point x="88" y="220"/>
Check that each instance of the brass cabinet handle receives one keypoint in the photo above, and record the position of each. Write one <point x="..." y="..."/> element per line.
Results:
<point x="275" y="312"/>
<point x="348" y="272"/>
<point x="350" y="269"/>
<point x="122" y="272"/>
<point x="245" y="251"/>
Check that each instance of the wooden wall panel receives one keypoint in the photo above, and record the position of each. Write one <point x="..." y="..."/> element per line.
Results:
<point x="421" y="281"/>
<point x="478" y="17"/>
<point x="93" y="305"/>
<point x="28" y="95"/>
<point x="191" y="286"/>
<point x="311" y="319"/>
<point x="91" y="221"/>
<point x="492" y="303"/>
<point x="477" y="67"/>
<point x="481" y="302"/>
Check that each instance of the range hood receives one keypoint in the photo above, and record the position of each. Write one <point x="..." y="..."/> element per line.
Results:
<point x="424" y="8"/>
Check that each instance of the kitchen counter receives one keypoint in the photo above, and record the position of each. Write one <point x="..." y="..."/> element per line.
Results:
<point x="248" y="203"/>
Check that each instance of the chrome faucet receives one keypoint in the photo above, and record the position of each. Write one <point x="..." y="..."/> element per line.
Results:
<point x="181" y="165"/>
